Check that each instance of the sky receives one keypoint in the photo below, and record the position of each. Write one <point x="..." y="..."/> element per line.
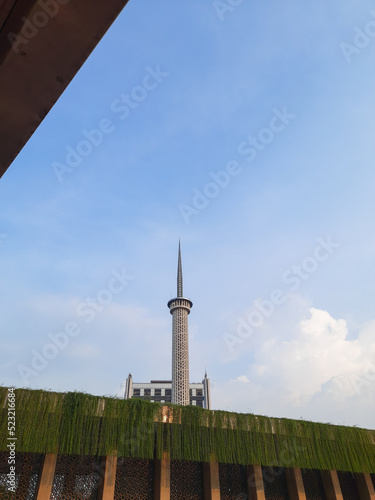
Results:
<point x="244" y="128"/>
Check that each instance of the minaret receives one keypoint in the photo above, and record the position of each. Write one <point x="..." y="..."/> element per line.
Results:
<point x="206" y="392"/>
<point x="180" y="308"/>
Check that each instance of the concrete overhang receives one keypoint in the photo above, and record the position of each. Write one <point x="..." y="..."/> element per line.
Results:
<point x="43" y="43"/>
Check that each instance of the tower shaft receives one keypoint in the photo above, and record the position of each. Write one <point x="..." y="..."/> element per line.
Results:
<point x="180" y="352"/>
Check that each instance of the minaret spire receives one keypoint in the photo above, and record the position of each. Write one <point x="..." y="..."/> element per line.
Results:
<point x="180" y="309"/>
<point x="179" y="273"/>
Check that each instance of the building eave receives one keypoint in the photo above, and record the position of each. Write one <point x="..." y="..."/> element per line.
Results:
<point x="40" y="53"/>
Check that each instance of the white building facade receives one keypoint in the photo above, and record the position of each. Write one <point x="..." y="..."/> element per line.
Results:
<point x="160" y="391"/>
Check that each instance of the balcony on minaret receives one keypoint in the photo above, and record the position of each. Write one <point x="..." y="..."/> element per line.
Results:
<point x="180" y="302"/>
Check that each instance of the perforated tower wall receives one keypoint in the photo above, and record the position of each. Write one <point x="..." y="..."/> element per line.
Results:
<point x="180" y="309"/>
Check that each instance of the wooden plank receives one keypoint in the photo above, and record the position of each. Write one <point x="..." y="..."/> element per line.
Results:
<point x="295" y="484"/>
<point x="107" y="486"/>
<point x="211" y="480"/>
<point x="162" y="478"/>
<point x="45" y="482"/>
<point x="331" y="485"/>
<point x="365" y="487"/>
<point x="255" y="482"/>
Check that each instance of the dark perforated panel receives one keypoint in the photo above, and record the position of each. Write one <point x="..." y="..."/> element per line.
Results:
<point x="134" y="479"/>
<point x="348" y="486"/>
<point x="186" y="480"/>
<point x="275" y="483"/>
<point x="313" y="483"/>
<point x="233" y="482"/>
<point x="76" y="478"/>
<point x="28" y="467"/>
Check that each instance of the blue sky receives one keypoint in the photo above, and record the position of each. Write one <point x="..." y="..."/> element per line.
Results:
<point x="205" y="80"/>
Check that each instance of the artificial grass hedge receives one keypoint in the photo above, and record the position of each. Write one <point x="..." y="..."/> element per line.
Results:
<point x="80" y="424"/>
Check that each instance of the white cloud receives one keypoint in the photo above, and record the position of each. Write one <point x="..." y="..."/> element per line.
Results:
<point x="312" y="368"/>
<point x="318" y="352"/>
